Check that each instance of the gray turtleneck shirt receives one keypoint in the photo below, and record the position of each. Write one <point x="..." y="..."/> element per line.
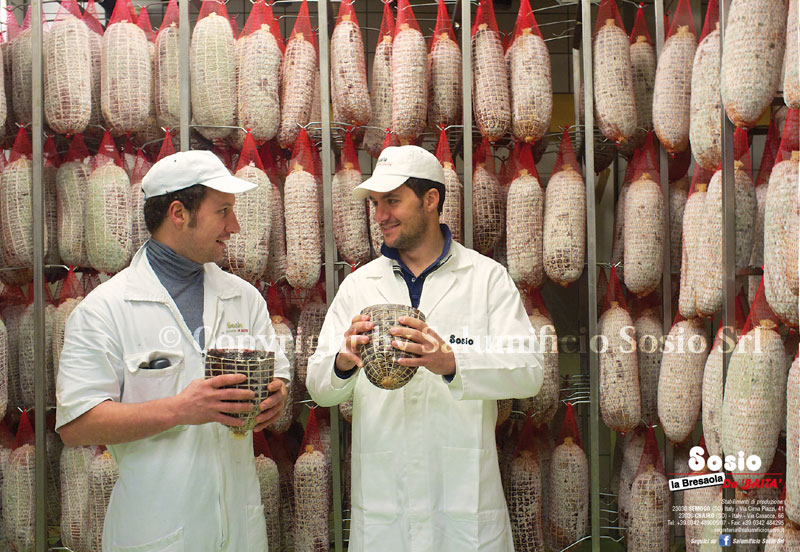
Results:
<point x="183" y="279"/>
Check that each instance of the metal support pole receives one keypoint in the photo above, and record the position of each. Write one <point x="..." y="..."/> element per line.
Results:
<point x="663" y="163"/>
<point x="330" y="248"/>
<point x="40" y="406"/>
<point x="466" y="79"/>
<point x="576" y="86"/>
<point x="666" y="282"/>
<point x="666" y="267"/>
<point x="728" y="243"/>
<point x="184" y="33"/>
<point x="591" y="269"/>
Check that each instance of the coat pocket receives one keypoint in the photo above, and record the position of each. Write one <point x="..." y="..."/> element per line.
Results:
<point x="256" y="529"/>
<point x="378" y="487"/>
<point x="170" y="543"/>
<point x="461" y="473"/>
<point x="143" y="384"/>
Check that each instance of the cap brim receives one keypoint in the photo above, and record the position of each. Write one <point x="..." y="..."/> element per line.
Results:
<point x="229" y="184"/>
<point x="381" y="184"/>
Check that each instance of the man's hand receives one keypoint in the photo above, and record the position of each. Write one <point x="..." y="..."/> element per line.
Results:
<point x="210" y="400"/>
<point x="434" y="354"/>
<point x="272" y="407"/>
<point x="349" y="355"/>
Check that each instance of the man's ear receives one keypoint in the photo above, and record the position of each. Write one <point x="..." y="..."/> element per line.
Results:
<point x="432" y="199"/>
<point x="177" y="214"/>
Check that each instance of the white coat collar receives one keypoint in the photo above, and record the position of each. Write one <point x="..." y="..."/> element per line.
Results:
<point x="143" y="284"/>
<point x="437" y="284"/>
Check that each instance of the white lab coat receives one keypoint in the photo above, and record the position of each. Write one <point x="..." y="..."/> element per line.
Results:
<point x="424" y="461"/>
<point x="191" y="487"/>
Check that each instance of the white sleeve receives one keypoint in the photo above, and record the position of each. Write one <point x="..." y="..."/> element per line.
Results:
<point x="324" y="386"/>
<point x="91" y="368"/>
<point x="512" y="365"/>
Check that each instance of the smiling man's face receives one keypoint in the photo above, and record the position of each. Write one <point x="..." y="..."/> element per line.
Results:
<point x="203" y="238"/>
<point x="401" y="216"/>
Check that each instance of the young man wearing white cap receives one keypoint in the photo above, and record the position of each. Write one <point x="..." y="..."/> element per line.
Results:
<point x="132" y="368"/>
<point x="424" y="463"/>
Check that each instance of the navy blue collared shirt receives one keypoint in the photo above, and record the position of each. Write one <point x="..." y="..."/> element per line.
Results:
<point x="414" y="283"/>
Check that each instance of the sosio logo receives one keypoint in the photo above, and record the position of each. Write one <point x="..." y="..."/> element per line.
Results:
<point x="732" y="463"/>
<point x="736" y="464"/>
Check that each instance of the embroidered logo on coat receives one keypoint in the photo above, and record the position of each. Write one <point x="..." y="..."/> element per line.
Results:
<point x="236" y="327"/>
<point x="461" y="340"/>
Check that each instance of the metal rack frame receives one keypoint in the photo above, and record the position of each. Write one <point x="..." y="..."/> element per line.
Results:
<point x="37" y="84"/>
<point x="581" y="58"/>
<point x="591" y="272"/>
<point x="729" y="238"/>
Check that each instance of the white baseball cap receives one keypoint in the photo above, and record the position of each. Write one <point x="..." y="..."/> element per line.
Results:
<point x="396" y="164"/>
<point x="187" y="168"/>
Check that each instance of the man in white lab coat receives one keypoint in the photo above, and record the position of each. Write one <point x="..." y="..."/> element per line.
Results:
<point x="424" y="463"/>
<point x="131" y="374"/>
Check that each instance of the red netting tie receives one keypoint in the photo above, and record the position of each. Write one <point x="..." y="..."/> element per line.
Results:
<point x="123" y="13"/>
<point x="72" y="288"/>
<point x="443" y="29"/>
<point x="107" y="152"/>
<point x="25" y="435"/>
<point x="302" y="26"/>
<point x="526" y="22"/>
<point x="485" y="18"/>
<point x="349" y="157"/>
<point x="679" y="164"/>
<point x="700" y="179"/>
<point x="711" y="22"/>
<point x="217" y="8"/>
<point x="90" y="17"/>
<point x="527" y="440"/>
<point x="762" y="315"/>
<point x="66" y="9"/>
<point x="22" y="147"/>
<point x="569" y="428"/>
<point x="260" y="445"/>
<point x="566" y="154"/>
<point x="311" y="439"/>
<point x="525" y="165"/>
<point x="608" y="14"/>
<point x="249" y="155"/>
<point x="683" y="19"/>
<point x="171" y="16"/>
<point x="741" y="150"/>
<point x="534" y="302"/>
<point x="50" y="154"/>
<point x="144" y="24"/>
<point x="11" y="24"/>
<point x="639" y="33"/>
<point x="651" y="457"/>
<point x="645" y="165"/>
<point x="614" y="295"/>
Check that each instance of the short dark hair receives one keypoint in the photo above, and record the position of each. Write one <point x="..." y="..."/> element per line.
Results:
<point x="421" y="185"/>
<point x="155" y="208"/>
